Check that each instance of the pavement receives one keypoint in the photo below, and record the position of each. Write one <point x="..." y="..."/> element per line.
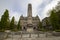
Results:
<point x="28" y="36"/>
<point x="33" y="37"/>
<point x="53" y="38"/>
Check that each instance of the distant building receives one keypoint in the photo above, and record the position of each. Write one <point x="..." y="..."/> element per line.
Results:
<point x="29" y="21"/>
<point x="46" y="23"/>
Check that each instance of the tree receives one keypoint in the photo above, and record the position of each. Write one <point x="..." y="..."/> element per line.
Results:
<point x="57" y="8"/>
<point x="40" y="26"/>
<point x="19" y="26"/>
<point x="0" y="25"/>
<point x="5" y="20"/>
<point x="12" y="25"/>
<point x="47" y="24"/>
<point x="54" y="19"/>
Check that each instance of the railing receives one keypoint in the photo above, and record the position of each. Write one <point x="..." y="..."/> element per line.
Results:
<point x="25" y="34"/>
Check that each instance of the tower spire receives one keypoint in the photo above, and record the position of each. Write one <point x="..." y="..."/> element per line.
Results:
<point x="29" y="10"/>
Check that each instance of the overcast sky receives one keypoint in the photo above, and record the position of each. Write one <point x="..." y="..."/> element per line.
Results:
<point x="19" y="7"/>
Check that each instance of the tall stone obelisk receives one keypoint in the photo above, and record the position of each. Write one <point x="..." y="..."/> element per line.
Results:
<point x="29" y="10"/>
<point x="29" y="27"/>
<point x="29" y="14"/>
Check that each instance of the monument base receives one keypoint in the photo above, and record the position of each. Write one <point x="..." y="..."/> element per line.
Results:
<point x="30" y="30"/>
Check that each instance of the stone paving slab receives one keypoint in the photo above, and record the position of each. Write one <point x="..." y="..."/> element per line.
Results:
<point x="54" y="38"/>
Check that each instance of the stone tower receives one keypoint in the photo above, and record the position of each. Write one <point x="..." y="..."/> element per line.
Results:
<point x="29" y="10"/>
<point x="29" y="14"/>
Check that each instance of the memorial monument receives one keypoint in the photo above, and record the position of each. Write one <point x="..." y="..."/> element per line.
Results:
<point x="29" y="22"/>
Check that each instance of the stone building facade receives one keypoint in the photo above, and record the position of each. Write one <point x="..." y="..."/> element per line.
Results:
<point x="46" y="23"/>
<point x="29" y="21"/>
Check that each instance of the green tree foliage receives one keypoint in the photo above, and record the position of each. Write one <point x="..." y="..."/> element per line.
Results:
<point x="40" y="26"/>
<point x="47" y="21"/>
<point x="19" y="26"/>
<point x="5" y="20"/>
<point x="0" y="25"/>
<point x="12" y="24"/>
<point x="54" y="19"/>
<point x="57" y="8"/>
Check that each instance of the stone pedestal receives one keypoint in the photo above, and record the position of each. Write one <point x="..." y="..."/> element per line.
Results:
<point x="29" y="29"/>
